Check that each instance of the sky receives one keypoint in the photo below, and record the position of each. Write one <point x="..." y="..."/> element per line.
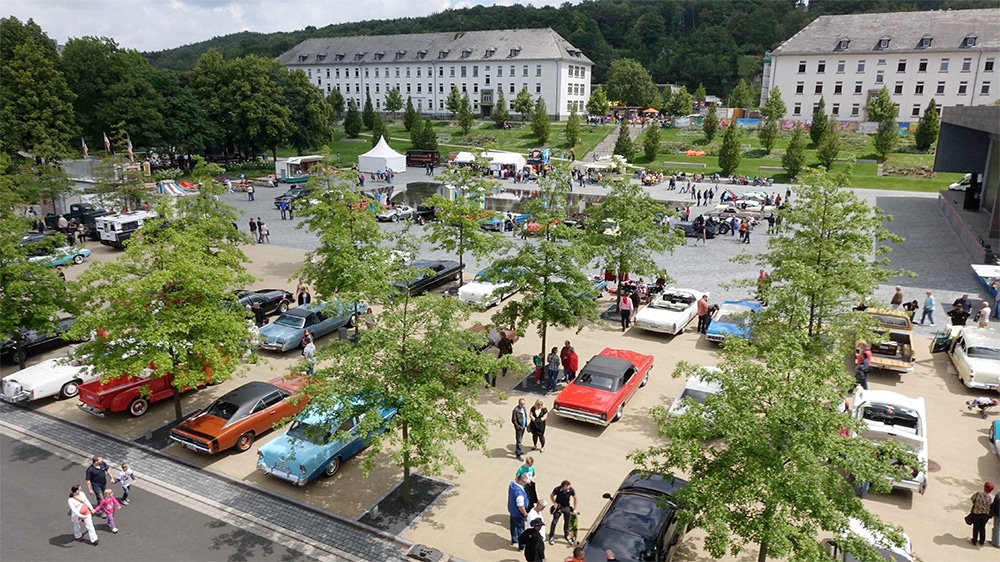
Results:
<point x="154" y="25"/>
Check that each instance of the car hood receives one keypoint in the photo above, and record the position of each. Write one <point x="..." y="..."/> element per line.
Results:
<point x="47" y="371"/>
<point x="721" y="328"/>
<point x="586" y="398"/>
<point x="274" y="332"/>
<point x="293" y="452"/>
<point x="660" y="315"/>
<point x="479" y="288"/>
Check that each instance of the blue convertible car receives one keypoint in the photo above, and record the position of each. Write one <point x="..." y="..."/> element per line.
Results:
<point x="734" y="318"/>
<point x="320" y="318"/>
<point x="309" y="448"/>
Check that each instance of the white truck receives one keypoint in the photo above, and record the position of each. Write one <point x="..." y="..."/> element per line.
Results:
<point x="115" y="229"/>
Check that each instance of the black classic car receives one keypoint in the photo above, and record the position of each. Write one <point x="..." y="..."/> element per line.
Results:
<point x="640" y="523"/>
<point x="431" y="273"/>
<point x="272" y="301"/>
<point x="690" y="231"/>
<point x="34" y="342"/>
<point x="292" y="195"/>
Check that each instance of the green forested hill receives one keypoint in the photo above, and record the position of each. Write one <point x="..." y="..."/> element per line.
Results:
<point x="688" y="42"/>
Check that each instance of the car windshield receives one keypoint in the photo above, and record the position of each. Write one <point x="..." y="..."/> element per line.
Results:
<point x="695" y="395"/>
<point x="984" y="352"/>
<point x="624" y="545"/>
<point x="314" y="434"/>
<point x="224" y="410"/>
<point x="738" y="317"/>
<point x="888" y="414"/>
<point x="594" y="380"/>
<point x="290" y="321"/>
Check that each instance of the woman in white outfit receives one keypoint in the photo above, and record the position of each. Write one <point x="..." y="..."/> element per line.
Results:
<point x="81" y="510"/>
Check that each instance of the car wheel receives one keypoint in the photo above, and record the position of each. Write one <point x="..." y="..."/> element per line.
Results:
<point x="78" y="259"/>
<point x="245" y="441"/>
<point x="332" y="468"/>
<point x="645" y="380"/>
<point x="723" y="230"/>
<point x="69" y="390"/>
<point x="138" y="407"/>
<point x="618" y="414"/>
<point x="19" y="356"/>
<point x="350" y="321"/>
<point x="458" y="276"/>
<point x="395" y="218"/>
<point x="283" y="307"/>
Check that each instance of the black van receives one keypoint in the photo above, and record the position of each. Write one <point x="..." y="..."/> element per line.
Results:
<point x="422" y="157"/>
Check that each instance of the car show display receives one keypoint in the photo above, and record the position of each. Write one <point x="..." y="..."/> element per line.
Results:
<point x="601" y="389"/>
<point x="320" y="318"/>
<point x="891" y="416"/>
<point x="60" y="377"/>
<point x="670" y="311"/>
<point x="734" y="318"/>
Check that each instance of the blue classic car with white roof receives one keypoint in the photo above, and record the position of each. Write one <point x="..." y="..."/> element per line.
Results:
<point x="734" y="318"/>
<point x="310" y="448"/>
<point x="320" y="318"/>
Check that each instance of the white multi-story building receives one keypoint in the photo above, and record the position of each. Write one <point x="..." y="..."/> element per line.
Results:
<point x="425" y="67"/>
<point x="950" y="56"/>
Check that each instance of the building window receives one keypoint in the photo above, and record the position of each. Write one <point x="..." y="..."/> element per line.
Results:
<point x="857" y="87"/>
<point x="538" y="70"/>
<point x="919" y="89"/>
<point x="512" y="91"/>
<point x="969" y="41"/>
<point x="378" y="103"/>
<point x="988" y="67"/>
<point x="802" y="67"/>
<point x="836" y="109"/>
<point x="309" y="72"/>
<point x="328" y="73"/>
<point x="538" y="87"/>
<point x="800" y="87"/>
<point x="840" y="66"/>
<point x="451" y="71"/>
<point x="855" y="110"/>
<point x="898" y="89"/>
<point x="883" y="43"/>
<point x="861" y="67"/>
<point x="465" y="88"/>
<point x="475" y="71"/>
<point x="843" y="44"/>
<point x="418" y="72"/>
<point x="499" y="71"/>
<point x="407" y="72"/>
<point x="963" y="87"/>
<point x="512" y="71"/>
<point x="819" y="88"/>
<point x="366" y="73"/>
<point x="838" y="88"/>
<point x="901" y="67"/>
<point x="463" y="72"/>
<point x="440" y="88"/>
<point x="420" y="88"/>
<point x="524" y="70"/>
<point x="985" y="90"/>
<point x="376" y="88"/>
<point x="966" y="65"/>
<point x="797" y="109"/>
<point x="441" y="104"/>
<point x="407" y="88"/>
<point x="569" y="89"/>
<point x="376" y="73"/>
<point x="915" y="112"/>
<point x="475" y="88"/>
<point x="881" y="62"/>
<point x="821" y="67"/>
<point x="336" y="73"/>
<point x="925" y="42"/>
<point x="944" y="65"/>
<point x="397" y="72"/>
<point x="879" y="76"/>
<point x="487" y="80"/>
<point x="940" y="88"/>
<point x="815" y="107"/>
<point x="357" y="73"/>
<point x="922" y="65"/>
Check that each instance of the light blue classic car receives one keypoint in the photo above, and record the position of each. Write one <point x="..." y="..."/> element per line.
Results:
<point x="64" y="255"/>
<point x="734" y="318"/>
<point x="309" y="449"/>
<point x="320" y="318"/>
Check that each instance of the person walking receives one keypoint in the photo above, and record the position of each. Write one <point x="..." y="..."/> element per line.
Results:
<point x="539" y="413"/>
<point x="517" y="507"/>
<point x="928" y="313"/>
<point x="126" y="478"/>
<point x="309" y="353"/>
<point x="108" y="506"/>
<point x="532" y="541"/>
<point x="552" y="369"/>
<point x="283" y="207"/>
<point x="81" y="511"/>
<point x="563" y="498"/>
<point x="995" y="513"/>
<point x="982" y="318"/>
<point x="98" y="475"/>
<point x="302" y="293"/>
<point x="264" y="232"/>
<point x="505" y="346"/>
<point x="897" y="298"/>
<point x="249" y="192"/>
<point x="625" y="309"/>
<point x="703" y="314"/>
<point x="528" y="468"/>
<point x="570" y="364"/>
<point x="519" y="418"/>
<point x="253" y="231"/>
<point x="863" y="362"/>
<point x="982" y="506"/>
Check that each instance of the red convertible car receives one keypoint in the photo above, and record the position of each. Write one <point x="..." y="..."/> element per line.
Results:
<point x="599" y="392"/>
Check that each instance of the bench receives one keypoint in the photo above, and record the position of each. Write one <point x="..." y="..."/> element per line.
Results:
<point x="686" y="164"/>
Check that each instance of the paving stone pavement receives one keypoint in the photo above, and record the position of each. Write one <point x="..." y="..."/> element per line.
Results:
<point x="321" y="528"/>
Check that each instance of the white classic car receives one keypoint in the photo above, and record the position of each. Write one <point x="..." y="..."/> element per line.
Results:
<point x="61" y="376"/>
<point x="396" y="214"/>
<point x="696" y="390"/>
<point x="975" y="352"/>
<point x="891" y="416"/>
<point x="484" y="290"/>
<point x="670" y="312"/>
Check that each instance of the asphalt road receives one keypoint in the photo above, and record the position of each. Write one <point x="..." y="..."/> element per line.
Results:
<point x="34" y="489"/>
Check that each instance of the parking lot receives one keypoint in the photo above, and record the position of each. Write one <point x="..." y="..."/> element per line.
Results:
<point x="470" y="521"/>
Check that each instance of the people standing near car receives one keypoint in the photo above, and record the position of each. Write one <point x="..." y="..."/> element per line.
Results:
<point x="537" y="513"/>
<point x="309" y="353"/>
<point x="863" y="362"/>
<point x="982" y="505"/>
<point x="995" y="513"/>
<point x="81" y="511"/>
<point x="702" y="314"/>
<point x="911" y="308"/>
<point x="302" y="293"/>
<point x="552" y="369"/>
<point x="98" y="475"/>
<point x="528" y="468"/>
<point x="897" y="298"/>
<point x="259" y="317"/>
<point x="570" y="361"/>
<point x="307" y="338"/>
<point x="265" y="232"/>
<point x="283" y="208"/>
<point x="517" y="507"/>
<point x="982" y="318"/>
<point x="539" y="413"/>
<point x="108" y="506"/>
<point x="965" y="302"/>
<point x="249" y="192"/>
<point x="625" y="308"/>
<point x="928" y="313"/>
<point x="563" y="499"/>
<point x="958" y="315"/>
<point x="532" y="541"/>
<point x="519" y="418"/>
<point x="126" y="478"/>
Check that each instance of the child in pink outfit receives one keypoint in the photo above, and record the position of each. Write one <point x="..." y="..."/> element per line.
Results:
<point x="109" y="505"/>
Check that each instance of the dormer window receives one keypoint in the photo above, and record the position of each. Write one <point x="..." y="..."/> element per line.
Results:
<point x="515" y="51"/>
<point x="302" y="58"/>
<point x="466" y="53"/>
<point x="442" y="54"/>
<point x="883" y="43"/>
<point x="843" y="44"/>
<point x="320" y="58"/>
<point x="379" y="55"/>
<point x="339" y="56"/>
<point x="969" y="41"/>
<point x="925" y="42"/>
<point x="359" y="56"/>
<point x="421" y="54"/>
<point x="400" y="55"/>
<point x="489" y="53"/>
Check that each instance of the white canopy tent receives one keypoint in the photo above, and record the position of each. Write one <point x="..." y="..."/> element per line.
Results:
<point x="380" y="158"/>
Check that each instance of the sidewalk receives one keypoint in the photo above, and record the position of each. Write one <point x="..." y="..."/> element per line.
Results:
<point x="326" y="536"/>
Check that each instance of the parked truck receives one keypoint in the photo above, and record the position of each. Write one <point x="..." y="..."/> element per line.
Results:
<point x="127" y="393"/>
<point x="114" y="230"/>
<point x="83" y="213"/>
<point x="893" y="349"/>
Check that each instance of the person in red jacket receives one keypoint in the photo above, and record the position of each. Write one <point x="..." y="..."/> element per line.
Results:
<point x="570" y="362"/>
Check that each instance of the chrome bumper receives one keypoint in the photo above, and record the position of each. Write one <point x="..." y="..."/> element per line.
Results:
<point x="287" y="476"/>
<point x="91" y="409"/>
<point x="581" y="416"/>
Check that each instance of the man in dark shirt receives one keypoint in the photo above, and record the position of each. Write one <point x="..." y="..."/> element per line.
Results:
<point x="965" y="302"/>
<point x="563" y="504"/>
<point x="532" y="543"/>
<point x="98" y="475"/>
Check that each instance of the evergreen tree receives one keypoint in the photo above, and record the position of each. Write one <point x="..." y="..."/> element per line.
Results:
<point x="882" y="110"/>
<point x="773" y="110"/>
<point x="523" y="103"/>
<point x="700" y="93"/>
<point x="378" y="129"/>
<point x="651" y="142"/>
<point x="710" y="125"/>
<point x="740" y="97"/>
<point x="352" y="120"/>
<point x="829" y="144"/>
<point x="881" y="106"/>
<point x="624" y="146"/>
<point x="336" y="101"/>
<point x="410" y="117"/>
<point x="819" y="122"/>
<point x="598" y="104"/>
<point x="540" y="121"/>
<point x="393" y="101"/>
<point x="573" y="128"/>
<point x="454" y="101"/>
<point x="927" y="133"/>
<point x="768" y="135"/>
<point x="368" y="113"/>
<point x="500" y="111"/>
<point x="429" y="137"/>
<point x="730" y="154"/>
<point x="465" y="114"/>
<point x="680" y="103"/>
<point x="795" y="155"/>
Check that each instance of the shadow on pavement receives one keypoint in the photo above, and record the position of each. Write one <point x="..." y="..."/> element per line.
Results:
<point x="393" y="516"/>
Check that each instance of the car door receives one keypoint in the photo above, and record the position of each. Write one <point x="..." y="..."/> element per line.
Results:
<point x="268" y="411"/>
<point x="324" y="322"/>
<point x="960" y="358"/>
<point x="670" y="539"/>
<point x="354" y="443"/>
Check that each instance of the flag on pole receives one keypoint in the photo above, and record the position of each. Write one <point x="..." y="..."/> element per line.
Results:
<point x="107" y="143"/>
<point x="86" y="152"/>
<point x="131" y="156"/>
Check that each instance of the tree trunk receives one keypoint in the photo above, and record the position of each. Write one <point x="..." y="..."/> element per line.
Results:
<point x="762" y="555"/>
<point x="177" y="404"/>
<point x="406" y="465"/>
<point x="461" y="254"/>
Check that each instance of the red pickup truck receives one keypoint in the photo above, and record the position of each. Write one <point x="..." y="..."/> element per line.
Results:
<point x="133" y="394"/>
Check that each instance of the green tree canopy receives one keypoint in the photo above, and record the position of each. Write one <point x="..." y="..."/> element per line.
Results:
<point x="710" y="125"/>
<point x="573" y="128"/>
<point x="378" y="129"/>
<point x="368" y="113"/>
<point x="623" y="144"/>
<point x="454" y="101"/>
<point x="829" y="144"/>
<point x="465" y="118"/>
<point x="700" y="93"/>
<point x="820" y="122"/>
<point x="731" y="153"/>
<point x="630" y="83"/>
<point x="523" y="103"/>
<point x="411" y="117"/>
<point x="741" y="97"/>
<point x="393" y="101"/>
<point x="336" y="101"/>
<point x="680" y="103"/>
<point x="794" y="158"/>
<point x="651" y="142"/>
<point x="352" y="121"/>
<point x="540" y="121"/>
<point x="598" y="103"/>
<point x="310" y="114"/>
<point x="500" y="111"/>
<point x="774" y="108"/>
<point x="881" y="106"/>
<point x="930" y="126"/>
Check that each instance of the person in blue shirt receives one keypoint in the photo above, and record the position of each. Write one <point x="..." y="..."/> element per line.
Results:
<point x="517" y="507"/>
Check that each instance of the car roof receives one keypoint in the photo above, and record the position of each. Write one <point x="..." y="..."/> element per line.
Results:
<point x="889" y="397"/>
<point x="608" y="366"/>
<point x="426" y="264"/>
<point x="755" y="306"/>
<point x="249" y="392"/>
<point x="299" y="312"/>
<point x="651" y="483"/>
<point x="981" y="337"/>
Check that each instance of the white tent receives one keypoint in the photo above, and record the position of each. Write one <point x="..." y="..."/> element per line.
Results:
<point x="380" y="158"/>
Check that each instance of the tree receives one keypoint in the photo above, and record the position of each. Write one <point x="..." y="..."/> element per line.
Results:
<point x="680" y="103"/>
<point x="465" y="114"/>
<point x="573" y="128"/>
<point x="454" y="101"/>
<point x="540" y="121"/>
<point x="523" y="103"/>
<point x="631" y="84"/>
<point x="882" y="110"/>
<point x="740" y="97"/>
<point x="368" y="113"/>
<point x="795" y="155"/>
<point x="335" y="100"/>
<point x="829" y="144"/>
<point x="378" y="129"/>
<point x="352" y="121"/>
<point x="710" y="125"/>
<point x="598" y="104"/>
<point x="731" y="153"/>
<point x="310" y="114"/>
<point x="651" y="142"/>
<point x="819" y="123"/>
<point x="927" y="132"/>
<point x="500" y="112"/>
<point x="881" y="106"/>
<point x="768" y="135"/>
<point x="423" y="137"/>
<point x="886" y="138"/>
<point x="624" y="145"/>
<point x="36" y="115"/>
<point x="393" y="102"/>
<point x="774" y="109"/>
<point x="700" y="93"/>
<point x="411" y="117"/>
<point x="164" y="300"/>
